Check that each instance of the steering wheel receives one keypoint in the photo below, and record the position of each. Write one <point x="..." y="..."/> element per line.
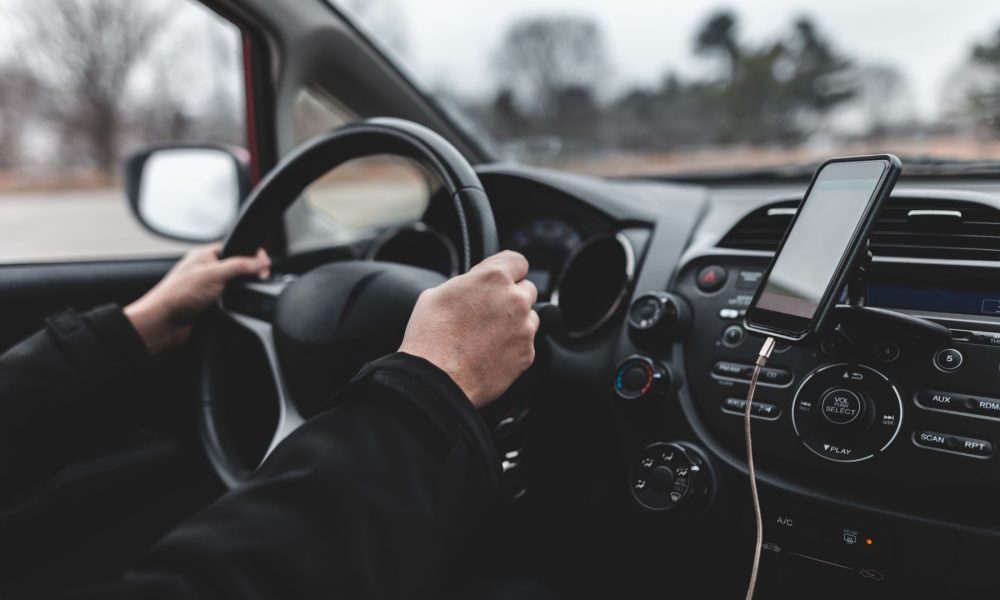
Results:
<point x="318" y="328"/>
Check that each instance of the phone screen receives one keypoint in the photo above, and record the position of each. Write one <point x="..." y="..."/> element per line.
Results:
<point x="823" y="235"/>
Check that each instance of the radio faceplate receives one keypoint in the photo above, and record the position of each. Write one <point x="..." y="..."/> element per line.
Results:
<point x="921" y="411"/>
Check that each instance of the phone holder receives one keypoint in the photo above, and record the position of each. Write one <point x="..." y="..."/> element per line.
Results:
<point x="853" y="322"/>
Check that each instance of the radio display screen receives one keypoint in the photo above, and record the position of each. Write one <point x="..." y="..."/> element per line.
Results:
<point x="967" y="302"/>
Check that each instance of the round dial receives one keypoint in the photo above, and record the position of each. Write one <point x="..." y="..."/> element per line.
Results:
<point x="655" y="317"/>
<point x="638" y="376"/>
<point x="546" y="243"/>
<point x="665" y="476"/>
<point x="847" y="413"/>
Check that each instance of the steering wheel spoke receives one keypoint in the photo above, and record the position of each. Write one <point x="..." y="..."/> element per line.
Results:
<point x="255" y="299"/>
<point x="253" y="310"/>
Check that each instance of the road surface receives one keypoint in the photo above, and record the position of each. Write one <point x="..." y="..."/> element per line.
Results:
<point x="98" y="224"/>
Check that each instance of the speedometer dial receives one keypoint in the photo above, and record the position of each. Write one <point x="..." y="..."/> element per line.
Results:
<point x="546" y="243"/>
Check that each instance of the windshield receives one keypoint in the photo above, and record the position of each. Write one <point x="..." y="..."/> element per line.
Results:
<point x="657" y="87"/>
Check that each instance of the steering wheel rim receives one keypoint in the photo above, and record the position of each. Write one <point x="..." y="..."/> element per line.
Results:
<point x="263" y="209"/>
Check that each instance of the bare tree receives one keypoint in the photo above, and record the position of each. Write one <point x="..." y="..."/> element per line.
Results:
<point x="984" y="97"/>
<point x="718" y="38"/>
<point x="18" y="96"/>
<point x="543" y="58"/>
<point x="82" y="53"/>
<point x="883" y="94"/>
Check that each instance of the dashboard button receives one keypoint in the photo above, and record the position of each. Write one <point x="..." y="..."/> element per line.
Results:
<point x="948" y="359"/>
<point x="839" y="451"/>
<point x="735" y="370"/>
<point x="729" y="314"/>
<point x="987" y="407"/>
<point x="941" y="400"/>
<point x="725" y="368"/>
<point x="775" y="376"/>
<point x="760" y="410"/>
<point x="749" y="280"/>
<point x="862" y="412"/>
<point x="661" y="478"/>
<point x="711" y="279"/>
<point x="974" y="447"/>
<point x="832" y="346"/>
<point x="887" y="352"/>
<point x="957" y="444"/>
<point x="975" y="406"/>
<point x="733" y="336"/>
<point x="841" y="406"/>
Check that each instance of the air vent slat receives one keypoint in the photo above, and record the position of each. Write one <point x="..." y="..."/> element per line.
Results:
<point x="973" y="236"/>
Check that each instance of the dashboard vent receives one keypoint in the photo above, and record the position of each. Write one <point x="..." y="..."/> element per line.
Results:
<point x="921" y="228"/>
<point x="763" y="228"/>
<point x="906" y="227"/>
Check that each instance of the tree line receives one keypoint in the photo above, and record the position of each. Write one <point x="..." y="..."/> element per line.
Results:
<point x="69" y="87"/>
<point x="776" y="93"/>
<point x="75" y="61"/>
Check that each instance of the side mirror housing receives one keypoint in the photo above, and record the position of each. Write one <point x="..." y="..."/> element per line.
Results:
<point x="187" y="192"/>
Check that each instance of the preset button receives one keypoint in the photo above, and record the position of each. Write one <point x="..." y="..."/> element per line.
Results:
<point x="948" y="359"/>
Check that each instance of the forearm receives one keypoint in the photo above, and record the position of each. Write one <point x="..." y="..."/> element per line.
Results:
<point x="54" y="386"/>
<point x="372" y="498"/>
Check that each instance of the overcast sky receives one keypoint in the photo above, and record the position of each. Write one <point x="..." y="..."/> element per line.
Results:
<point x="454" y="40"/>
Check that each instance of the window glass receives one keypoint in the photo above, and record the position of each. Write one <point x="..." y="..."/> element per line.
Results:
<point x="84" y="83"/>
<point x="634" y="87"/>
<point x="355" y="199"/>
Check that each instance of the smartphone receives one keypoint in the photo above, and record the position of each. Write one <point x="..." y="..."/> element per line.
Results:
<point x="825" y="240"/>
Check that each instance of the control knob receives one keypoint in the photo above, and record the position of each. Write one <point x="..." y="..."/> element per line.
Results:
<point x="847" y="413"/>
<point x="656" y="317"/>
<point x="640" y="376"/>
<point x="667" y="476"/>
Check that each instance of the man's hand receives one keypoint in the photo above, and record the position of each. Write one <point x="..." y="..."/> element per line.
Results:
<point x="163" y="317"/>
<point x="478" y="327"/>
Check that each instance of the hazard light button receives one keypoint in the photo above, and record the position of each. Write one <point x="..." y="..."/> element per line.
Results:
<point x="711" y="278"/>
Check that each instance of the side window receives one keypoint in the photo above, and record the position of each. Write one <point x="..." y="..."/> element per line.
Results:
<point x="85" y="83"/>
<point x="355" y="199"/>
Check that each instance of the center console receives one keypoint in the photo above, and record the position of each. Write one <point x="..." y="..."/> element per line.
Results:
<point x="886" y="402"/>
<point x="876" y="448"/>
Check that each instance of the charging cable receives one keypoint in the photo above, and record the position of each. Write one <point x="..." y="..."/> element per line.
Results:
<point x="762" y="356"/>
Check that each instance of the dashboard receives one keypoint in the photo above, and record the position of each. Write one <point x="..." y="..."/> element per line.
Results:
<point x="877" y="448"/>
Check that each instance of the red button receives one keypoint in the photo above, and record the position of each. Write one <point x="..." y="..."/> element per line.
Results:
<point x="711" y="278"/>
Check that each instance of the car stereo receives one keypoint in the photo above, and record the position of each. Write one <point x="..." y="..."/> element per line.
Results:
<point x="882" y="404"/>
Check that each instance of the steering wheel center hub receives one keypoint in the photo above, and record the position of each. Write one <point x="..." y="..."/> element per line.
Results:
<point x="332" y="320"/>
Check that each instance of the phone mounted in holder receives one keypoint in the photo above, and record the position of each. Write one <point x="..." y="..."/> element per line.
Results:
<point x="853" y="322"/>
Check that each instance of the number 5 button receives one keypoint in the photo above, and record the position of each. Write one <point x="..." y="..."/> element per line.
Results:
<point x="948" y="359"/>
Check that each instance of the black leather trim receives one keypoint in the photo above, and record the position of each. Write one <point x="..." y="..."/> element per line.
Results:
<point x="314" y="158"/>
<point x="479" y="230"/>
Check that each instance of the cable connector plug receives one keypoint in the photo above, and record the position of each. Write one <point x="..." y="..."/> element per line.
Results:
<point x="765" y="352"/>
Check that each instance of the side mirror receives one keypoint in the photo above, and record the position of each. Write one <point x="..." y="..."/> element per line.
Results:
<point x="190" y="193"/>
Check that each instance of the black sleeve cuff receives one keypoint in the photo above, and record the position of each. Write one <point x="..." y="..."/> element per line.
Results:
<point x="99" y="339"/>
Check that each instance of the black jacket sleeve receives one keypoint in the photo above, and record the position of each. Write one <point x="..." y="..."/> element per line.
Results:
<point x="58" y="387"/>
<point x="372" y="498"/>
